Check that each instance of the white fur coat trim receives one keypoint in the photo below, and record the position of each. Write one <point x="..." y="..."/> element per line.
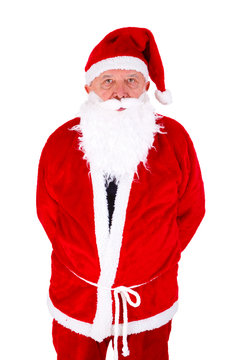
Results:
<point x="134" y="327"/>
<point x="108" y="247"/>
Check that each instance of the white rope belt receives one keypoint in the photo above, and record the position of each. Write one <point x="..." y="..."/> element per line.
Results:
<point x="124" y="291"/>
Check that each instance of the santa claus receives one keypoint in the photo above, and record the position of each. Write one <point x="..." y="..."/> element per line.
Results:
<point x="120" y="195"/>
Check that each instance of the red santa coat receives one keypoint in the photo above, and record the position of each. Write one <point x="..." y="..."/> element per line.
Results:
<point x="156" y="214"/>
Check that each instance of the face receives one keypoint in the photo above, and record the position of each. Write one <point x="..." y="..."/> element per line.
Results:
<point x="118" y="84"/>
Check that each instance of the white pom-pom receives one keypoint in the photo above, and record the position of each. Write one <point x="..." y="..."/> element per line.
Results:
<point x="164" y="97"/>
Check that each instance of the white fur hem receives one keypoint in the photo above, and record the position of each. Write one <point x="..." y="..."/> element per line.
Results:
<point x="118" y="62"/>
<point x="134" y="327"/>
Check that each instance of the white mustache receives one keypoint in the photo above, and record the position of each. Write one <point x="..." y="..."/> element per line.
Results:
<point x="114" y="104"/>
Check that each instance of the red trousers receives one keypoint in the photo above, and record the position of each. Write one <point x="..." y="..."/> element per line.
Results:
<point x="150" y="345"/>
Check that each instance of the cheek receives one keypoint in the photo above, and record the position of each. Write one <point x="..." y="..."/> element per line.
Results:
<point x="103" y="93"/>
<point x="136" y="92"/>
<point x="106" y="95"/>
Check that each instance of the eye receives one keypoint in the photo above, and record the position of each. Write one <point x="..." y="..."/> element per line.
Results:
<point x="132" y="82"/>
<point x="108" y="81"/>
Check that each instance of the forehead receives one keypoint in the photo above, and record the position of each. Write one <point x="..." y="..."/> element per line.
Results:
<point x="119" y="73"/>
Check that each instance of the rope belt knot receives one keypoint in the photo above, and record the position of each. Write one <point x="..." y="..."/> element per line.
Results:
<point x="124" y="291"/>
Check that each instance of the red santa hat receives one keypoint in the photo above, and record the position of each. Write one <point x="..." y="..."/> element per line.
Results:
<point x="129" y="48"/>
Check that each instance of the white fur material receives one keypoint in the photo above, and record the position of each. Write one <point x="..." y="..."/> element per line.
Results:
<point x="100" y="212"/>
<point x="164" y="97"/>
<point x="134" y="327"/>
<point x="118" y="62"/>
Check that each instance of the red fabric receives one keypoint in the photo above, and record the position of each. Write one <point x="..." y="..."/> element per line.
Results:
<point x="150" y="345"/>
<point x="131" y="41"/>
<point x="165" y="208"/>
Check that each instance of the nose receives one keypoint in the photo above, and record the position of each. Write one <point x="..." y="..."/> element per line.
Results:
<point x="120" y="92"/>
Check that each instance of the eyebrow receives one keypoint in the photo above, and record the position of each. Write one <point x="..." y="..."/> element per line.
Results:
<point x="106" y="76"/>
<point x="109" y="75"/>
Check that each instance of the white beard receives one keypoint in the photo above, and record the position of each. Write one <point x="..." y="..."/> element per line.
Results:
<point x="115" y="142"/>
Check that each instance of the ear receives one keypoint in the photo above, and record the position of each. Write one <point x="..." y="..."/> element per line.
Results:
<point x="147" y="85"/>
<point x="87" y="88"/>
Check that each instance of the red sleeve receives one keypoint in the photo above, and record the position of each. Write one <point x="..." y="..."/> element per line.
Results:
<point x="191" y="205"/>
<point x="191" y="197"/>
<point x="50" y="173"/>
<point x="47" y="206"/>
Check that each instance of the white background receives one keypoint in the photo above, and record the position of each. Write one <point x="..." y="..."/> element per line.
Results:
<point x="44" y="48"/>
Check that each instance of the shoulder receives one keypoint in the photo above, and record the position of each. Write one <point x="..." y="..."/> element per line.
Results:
<point x="177" y="137"/>
<point x="63" y="131"/>
<point x="60" y="141"/>
<point x="175" y="132"/>
<point x="62" y="136"/>
<point x="171" y="127"/>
